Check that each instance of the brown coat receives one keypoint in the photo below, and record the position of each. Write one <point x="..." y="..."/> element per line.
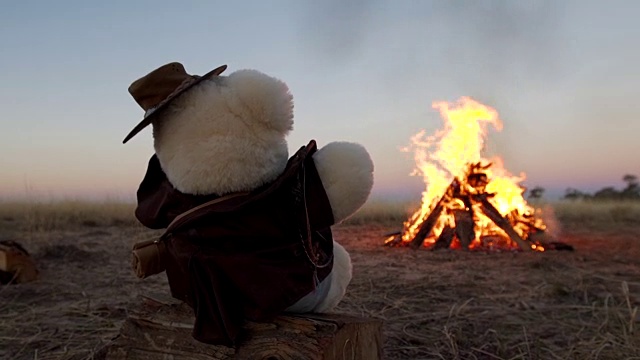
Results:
<point x="248" y="257"/>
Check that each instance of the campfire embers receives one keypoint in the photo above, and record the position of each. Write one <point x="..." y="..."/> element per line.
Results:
<point x="470" y="202"/>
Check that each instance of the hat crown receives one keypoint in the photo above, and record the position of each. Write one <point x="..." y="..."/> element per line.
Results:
<point x="151" y="89"/>
<point x="154" y="91"/>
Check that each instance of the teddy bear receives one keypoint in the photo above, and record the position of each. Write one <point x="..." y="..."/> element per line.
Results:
<point x="248" y="227"/>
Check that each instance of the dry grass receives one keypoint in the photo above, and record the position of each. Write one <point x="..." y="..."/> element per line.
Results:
<point x="35" y="334"/>
<point x="591" y="214"/>
<point x="56" y="215"/>
<point x="598" y="214"/>
<point x="382" y="212"/>
<point x="81" y="298"/>
<point x="435" y="305"/>
<point x="471" y="305"/>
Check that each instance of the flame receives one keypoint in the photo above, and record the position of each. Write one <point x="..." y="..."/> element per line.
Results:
<point x="456" y="152"/>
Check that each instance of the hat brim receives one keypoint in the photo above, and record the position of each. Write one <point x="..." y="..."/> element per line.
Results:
<point x="153" y="115"/>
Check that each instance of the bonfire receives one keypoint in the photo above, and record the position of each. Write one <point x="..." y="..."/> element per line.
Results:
<point x="470" y="201"/>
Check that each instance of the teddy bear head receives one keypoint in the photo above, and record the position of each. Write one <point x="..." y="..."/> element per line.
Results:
<point x="226" y="134"/>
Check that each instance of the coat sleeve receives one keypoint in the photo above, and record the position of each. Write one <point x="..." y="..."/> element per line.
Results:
<point x="157" y="200"/>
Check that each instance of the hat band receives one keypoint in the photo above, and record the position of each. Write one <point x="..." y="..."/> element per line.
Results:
<point x="150" y="111"/>
<point x="185" y="83"/>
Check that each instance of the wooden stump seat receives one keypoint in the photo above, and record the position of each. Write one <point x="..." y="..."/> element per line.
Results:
<point x="16" y="265"/>
<point x="160" y="328"/>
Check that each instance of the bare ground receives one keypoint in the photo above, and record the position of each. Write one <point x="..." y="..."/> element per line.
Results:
<point x="435" y="305"/>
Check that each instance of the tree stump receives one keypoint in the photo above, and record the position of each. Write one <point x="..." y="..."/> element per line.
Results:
<point x="16" y="265"/>
<point x="161" y="328"/>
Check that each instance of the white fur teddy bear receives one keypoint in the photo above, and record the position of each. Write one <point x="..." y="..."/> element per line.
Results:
<point x="218" y="137"/>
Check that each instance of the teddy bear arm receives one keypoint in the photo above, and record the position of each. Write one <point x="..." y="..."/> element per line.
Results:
<point x="346" y="172"/>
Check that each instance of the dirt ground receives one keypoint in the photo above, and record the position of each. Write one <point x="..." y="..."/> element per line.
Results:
<point x="435" y="305"/>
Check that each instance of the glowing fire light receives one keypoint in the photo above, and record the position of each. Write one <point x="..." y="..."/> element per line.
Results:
<point x="455" y="152"/>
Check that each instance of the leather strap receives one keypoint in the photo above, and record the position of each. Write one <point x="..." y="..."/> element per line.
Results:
<point x="307" y="239"/>
<point x="182" y="217"/>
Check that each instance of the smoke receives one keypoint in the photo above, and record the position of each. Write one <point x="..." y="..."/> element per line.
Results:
<point x="337" y="30"/>
<point x="497" y="52"/>
<point x="500" y="45"/>
<point x="549" y="218"/>
<point x="502" y="53"/>
<point x="469" y="42"/>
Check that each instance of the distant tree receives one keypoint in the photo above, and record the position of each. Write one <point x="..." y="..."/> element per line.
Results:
<point x="632" y="190"/>
<point x="574" y="194"/>
<point x="607" y="193"/>
<point x="630" y="179"/>
<point x="536" y="193"/>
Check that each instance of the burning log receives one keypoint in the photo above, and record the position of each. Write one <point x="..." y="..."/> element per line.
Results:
<point x="393" y="238"/>
<point x="430" y="221"/>
<point x="445" y="238"/>
<point x="427" y="226"/>
<point x="495" y="216"/>
<point x="463" y="213"/>
<point x="464" y="226"/>
<point x="544" y="240"/>
<point x="464" y="222"/>
<point x="477" y="178"/>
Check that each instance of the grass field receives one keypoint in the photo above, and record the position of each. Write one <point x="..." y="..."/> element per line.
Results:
<point x="55" y="215"/>
<point x="435" y="305"/>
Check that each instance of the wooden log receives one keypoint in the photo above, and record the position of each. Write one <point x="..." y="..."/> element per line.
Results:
<point x="162" y="328"/>
<point x="491" y="242"/>
<point x="393" y="239"/>
<point x="547" y="242"/>
<point x="445" y="238"/>
<point x="540" y="237"/>
<point x="495" y="216"/>
<point x="464" y="226"/>
<point x="428" y="224"/>
<point x="16" y="265"/>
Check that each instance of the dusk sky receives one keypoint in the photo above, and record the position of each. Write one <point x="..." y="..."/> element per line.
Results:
<point x="563" y="75"/>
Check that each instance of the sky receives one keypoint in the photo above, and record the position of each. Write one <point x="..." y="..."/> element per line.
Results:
<point x="562" y="74"/>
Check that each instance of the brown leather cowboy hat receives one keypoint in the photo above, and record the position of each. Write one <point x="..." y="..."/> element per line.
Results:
<point x="154" y="91"/>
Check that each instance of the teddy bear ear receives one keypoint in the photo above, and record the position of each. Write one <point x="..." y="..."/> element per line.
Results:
<point x="264" y="98"/>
